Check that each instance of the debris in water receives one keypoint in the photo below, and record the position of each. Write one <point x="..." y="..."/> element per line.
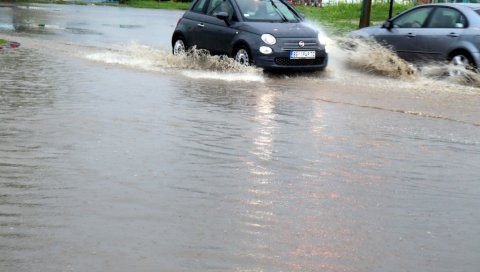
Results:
<point x="7" y="44"/>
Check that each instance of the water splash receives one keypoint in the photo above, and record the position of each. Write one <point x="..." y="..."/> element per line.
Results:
<point x="151" y="59"/>
<point x="372" y="57"/>
<point x="364" y="55"/>
<point x="195" y="74"/>
<point x="368" y="56"/>
<point x="451" y="74"/>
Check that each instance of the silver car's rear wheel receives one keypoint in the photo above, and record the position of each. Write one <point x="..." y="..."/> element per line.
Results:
<point x="460" y="63"/>
<point x="179" y="47"/>
<point x="243" y="57"/>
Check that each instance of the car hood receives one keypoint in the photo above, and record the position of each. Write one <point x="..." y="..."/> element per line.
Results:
<point x="364" y="32"/>
<point x="280" y="30"/>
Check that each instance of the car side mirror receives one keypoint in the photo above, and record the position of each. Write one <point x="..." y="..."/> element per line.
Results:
<point x="223" y="16"/>
<point x="388" y="25"/>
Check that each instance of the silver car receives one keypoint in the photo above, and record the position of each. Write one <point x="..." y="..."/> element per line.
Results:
<point x="432" y="32"/>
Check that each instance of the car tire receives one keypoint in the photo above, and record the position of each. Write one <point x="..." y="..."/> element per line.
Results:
<point x="461" y="60"/>
<point x="242" y="55"/>
<point x="179" y="46"/>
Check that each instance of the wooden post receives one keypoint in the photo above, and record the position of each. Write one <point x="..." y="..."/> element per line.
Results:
<point x="365" y="15"/>
<point x="390" y="11"/>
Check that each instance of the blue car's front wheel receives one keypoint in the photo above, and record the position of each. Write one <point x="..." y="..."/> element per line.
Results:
<point x="179" y="47"/>
<point x="242" y="56"/>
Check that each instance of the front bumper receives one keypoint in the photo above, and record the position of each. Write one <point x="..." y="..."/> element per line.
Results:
<point x="280" y="59"/>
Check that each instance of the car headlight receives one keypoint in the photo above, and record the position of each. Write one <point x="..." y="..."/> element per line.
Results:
<point x="322" y="39"/>
<point x="266" y="50"/>
<point x="269" y="39"/>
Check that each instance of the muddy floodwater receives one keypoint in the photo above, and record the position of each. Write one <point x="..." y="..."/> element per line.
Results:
<point x="117" y="156"/>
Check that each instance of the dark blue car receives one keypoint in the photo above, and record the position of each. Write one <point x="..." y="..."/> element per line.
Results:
<point x="266" y="33"/>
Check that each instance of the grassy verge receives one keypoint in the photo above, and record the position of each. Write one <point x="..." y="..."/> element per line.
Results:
<point x="158" y="5"/>
<point x="2" y="41"/>
<point x="342" y="18"/>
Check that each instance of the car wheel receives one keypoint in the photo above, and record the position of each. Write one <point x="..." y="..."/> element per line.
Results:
<point x="460" y="62"/>
<point x="242" y="56"/>
<point x="179" y="47"/>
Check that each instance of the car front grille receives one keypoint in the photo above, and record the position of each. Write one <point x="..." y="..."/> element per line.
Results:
<point x="298" y="62"/>
<point x="292" y="44"/>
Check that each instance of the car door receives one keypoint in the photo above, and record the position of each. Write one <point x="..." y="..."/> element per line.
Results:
<point x="219" y="34"/>
<point x="445" y="28"/>
<point x="194" y="24"/>
<point x="405" y="35"/>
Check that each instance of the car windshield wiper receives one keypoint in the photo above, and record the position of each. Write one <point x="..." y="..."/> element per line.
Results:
<point x="284" y="18"/>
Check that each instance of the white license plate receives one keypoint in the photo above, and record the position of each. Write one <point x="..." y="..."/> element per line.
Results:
<point x="302" y="54"/>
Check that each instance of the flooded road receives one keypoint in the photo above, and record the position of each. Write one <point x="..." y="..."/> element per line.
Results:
<point x="115" y="156"/>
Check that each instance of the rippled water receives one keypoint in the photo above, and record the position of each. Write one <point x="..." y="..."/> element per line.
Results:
<point x="116" y="157"/>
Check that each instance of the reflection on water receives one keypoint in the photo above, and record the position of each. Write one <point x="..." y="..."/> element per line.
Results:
<point x="24" y="19"/>
<point x="27" y="89"/>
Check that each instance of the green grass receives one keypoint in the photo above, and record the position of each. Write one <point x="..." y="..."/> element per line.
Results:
<point x="2" y="41"/>
<point x="342" y="18"/>
<point x="158" y="5"/>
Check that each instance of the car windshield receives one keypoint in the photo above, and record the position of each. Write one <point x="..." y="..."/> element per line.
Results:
<point x="266" y="10"/>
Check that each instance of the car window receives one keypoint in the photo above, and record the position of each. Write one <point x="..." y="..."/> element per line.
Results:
<point x="199" y="5"/>
<point x="266" y="10"/>
<point x="413" y="19"/>
<point x="217" y="6"/>
<point x="447" y="18"/>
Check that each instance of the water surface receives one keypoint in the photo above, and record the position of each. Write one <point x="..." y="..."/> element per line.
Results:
<point x="114" y="156"/>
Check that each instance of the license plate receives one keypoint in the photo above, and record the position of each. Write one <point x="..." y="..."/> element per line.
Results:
<point x="302" y="54"/>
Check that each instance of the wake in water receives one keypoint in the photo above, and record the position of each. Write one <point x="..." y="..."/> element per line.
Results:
<point x="203" y="64"/>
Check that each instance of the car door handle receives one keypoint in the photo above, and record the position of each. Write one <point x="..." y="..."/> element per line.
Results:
<point x="411" y="35"/>
<point x="453" y="35"/>
<point x="201" y="25"/>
